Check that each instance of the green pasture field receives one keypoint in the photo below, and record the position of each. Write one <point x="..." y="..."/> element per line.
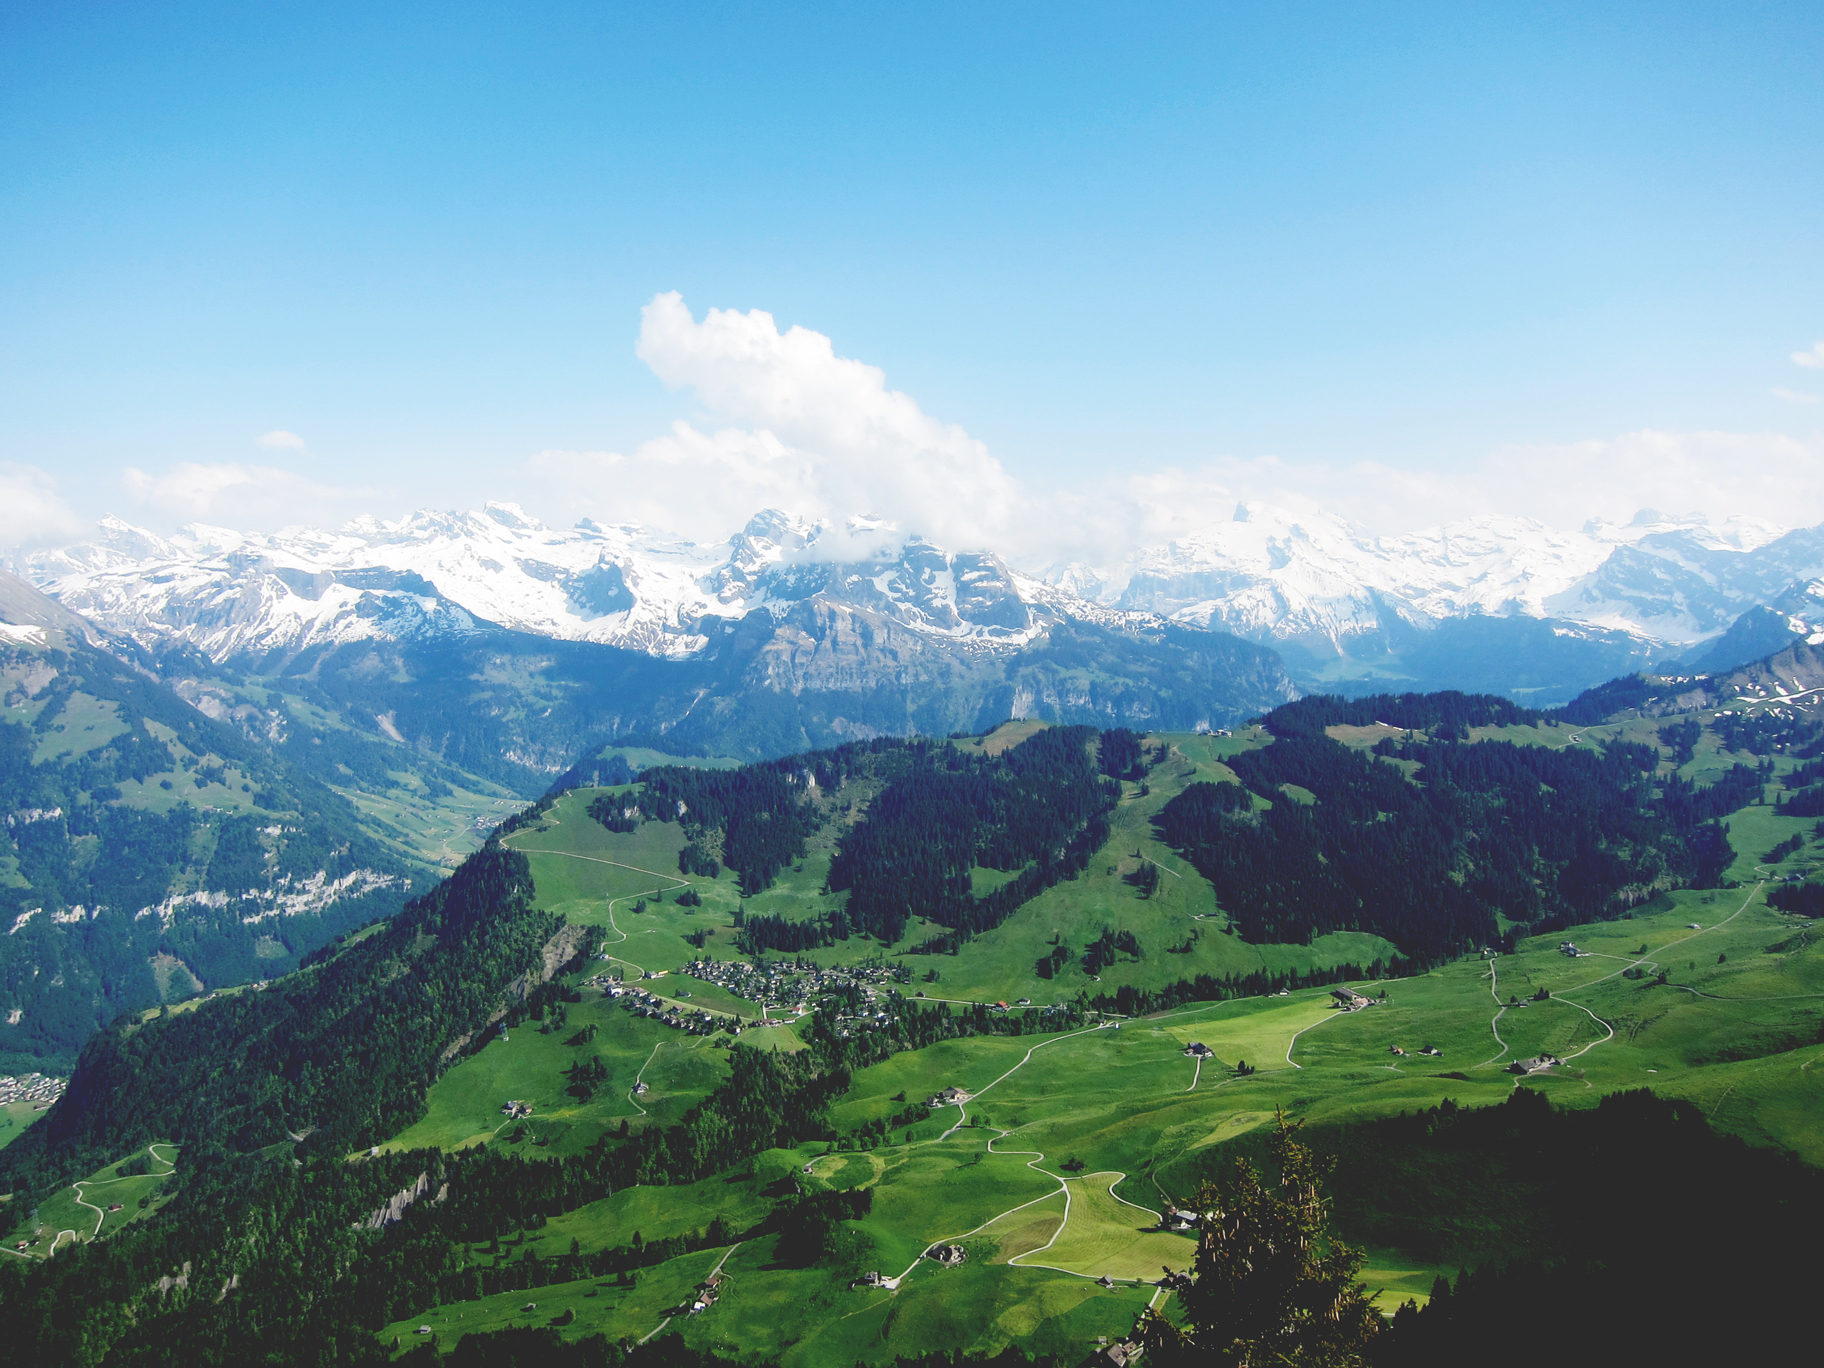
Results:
<point x="86" y="723"/>
<point x="599" y="1306"/>
<point x="463" y="1107"/>
<point x="1181" y="930"/>
<point x="436" y="831"/>
<point x="80" y="1213"/>
<point x="14" y="1118"/>
<point x="595" y="876"/>
<point x="1107" y="1236"/>
<point x="1117" y="1099"/>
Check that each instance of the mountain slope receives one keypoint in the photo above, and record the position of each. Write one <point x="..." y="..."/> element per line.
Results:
<point x="491" y="646"/>
<point x="148" y="850"/>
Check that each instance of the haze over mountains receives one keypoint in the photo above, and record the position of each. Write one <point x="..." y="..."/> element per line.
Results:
<point x="1501" y="603"/>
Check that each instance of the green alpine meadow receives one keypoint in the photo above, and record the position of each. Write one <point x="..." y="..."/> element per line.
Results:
<point x="1329" y="1039"/>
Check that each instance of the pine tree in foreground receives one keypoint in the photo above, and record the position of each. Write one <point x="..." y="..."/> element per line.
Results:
<point x="1268" y="1285"/>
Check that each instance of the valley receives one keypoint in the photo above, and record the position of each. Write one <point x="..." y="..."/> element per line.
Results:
<point x="767" y="1068"/>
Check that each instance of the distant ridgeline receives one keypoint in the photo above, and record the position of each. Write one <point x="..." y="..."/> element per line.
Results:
<point x="140" y="835"/>
<point x="1545" y="837"/>
<point x="1038" y="810"/>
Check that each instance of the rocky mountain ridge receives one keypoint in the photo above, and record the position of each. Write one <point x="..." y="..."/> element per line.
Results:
<point x="1496" y="602"/>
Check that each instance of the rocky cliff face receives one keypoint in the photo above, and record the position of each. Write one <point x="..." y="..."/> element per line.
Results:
<point x="789" y="634"/>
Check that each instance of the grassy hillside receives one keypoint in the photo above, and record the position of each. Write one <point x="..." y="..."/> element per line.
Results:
<point x="793" y="1160"/>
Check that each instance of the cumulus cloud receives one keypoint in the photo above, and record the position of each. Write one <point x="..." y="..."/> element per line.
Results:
<point x="243" y="496"/>
<point x="1814" y="358"/>
<point x="800" y="428"/>
<point x="32" y="512"/>
<point x="279" y="439"/>
<point x="1768" y="476"/>
<point x="1794" y="396"/>
<point x="791" y="424"/>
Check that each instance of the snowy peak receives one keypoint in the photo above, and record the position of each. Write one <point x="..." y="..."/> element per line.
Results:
<point x="439" y="575"/>
<point x="1304" y="580"/>
<point x="1315" y="582"/>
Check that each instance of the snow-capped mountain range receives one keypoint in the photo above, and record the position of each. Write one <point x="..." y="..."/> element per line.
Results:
<point x="449" y="575"/>
<point x="1318" y="585"/>
<point x="1311" y="584"/>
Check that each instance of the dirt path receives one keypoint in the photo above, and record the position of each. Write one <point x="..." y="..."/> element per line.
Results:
<point x="1494" y="1025"/>
<point x="962" y="1108"/>
<point x="633" y="1092"/>
<point x="100" y="1214"/>
<point x="712" y="1273"/>
<point x="1300" y="1031"/>
<point x="1196" y="1074"/>
<point x="1038" y="1157"/>
<point x="1648" y="960"/>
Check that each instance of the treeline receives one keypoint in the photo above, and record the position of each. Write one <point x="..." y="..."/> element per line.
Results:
<point x="1547" y="837"/>
<point x="761" y="811"/>
<point x="1806" y="899"/>
<point x="912" y="1025"/>
<point x="1453" y="711"/>
<point x="615" y="813"/>
<point x="760" y="932"/>
<point x="1130" y="1001"/>
<point x="544" y="1347"/>
<point x="1039" y="804"/>
<point x="1762" y="733"/>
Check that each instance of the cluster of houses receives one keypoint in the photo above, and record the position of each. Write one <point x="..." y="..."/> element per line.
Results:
<point x="789" y="985"/>
<point x="707" y="1292"/>
<point x="1198" y="1050"/>
<point x="949" y="1097"/>
<point x="875" y="1279"/>
<point x="949" y="1255"/>
<point x="1570" y="948"/>
<point x="694" y="1021"/>
<point x="516" y="1111"/>
<point x="1349" y="1000"/>
<point x="36" y="1088"/>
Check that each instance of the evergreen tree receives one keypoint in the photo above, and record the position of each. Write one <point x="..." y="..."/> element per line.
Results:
<point x="1269" y="1284"/>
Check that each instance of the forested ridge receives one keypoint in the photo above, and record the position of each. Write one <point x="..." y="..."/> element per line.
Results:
<point x="934" y="811"/>
<point x="340" y="1052"/>
<point x="1542" y="836"/>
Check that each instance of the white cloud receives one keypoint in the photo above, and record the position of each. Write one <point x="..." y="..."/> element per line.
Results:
<point x="32" y="512"/>
<point x="808" y="431"/>
<point x="800" y="428"/>
<point x="245" y="496"/>
<point x="1794" y="396"/>
<point x="1814" y="358"/>
<point x="280" y="439"/>
<point x="1767" y="476"/>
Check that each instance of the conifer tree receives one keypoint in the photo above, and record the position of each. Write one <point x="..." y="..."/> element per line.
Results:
<point x="1269" y="1284"/>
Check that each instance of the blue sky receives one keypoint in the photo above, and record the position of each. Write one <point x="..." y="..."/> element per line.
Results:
<point x="1419" y="245"/>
